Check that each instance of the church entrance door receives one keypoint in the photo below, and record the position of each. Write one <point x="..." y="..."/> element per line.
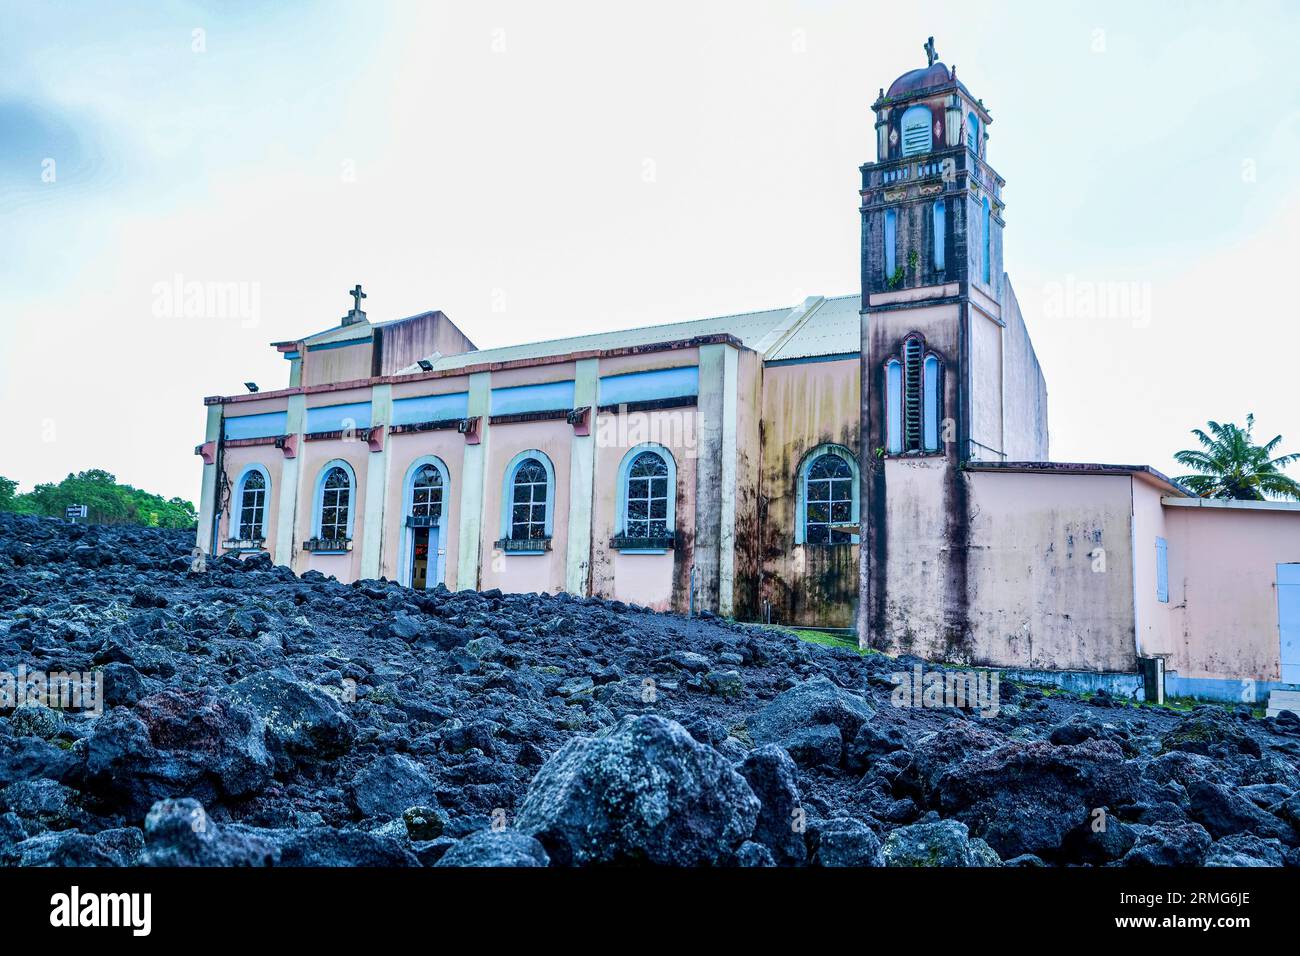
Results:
<point x="424" y="546"/>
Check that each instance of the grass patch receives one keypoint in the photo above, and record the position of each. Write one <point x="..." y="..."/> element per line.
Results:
<point x="824" y="639"/>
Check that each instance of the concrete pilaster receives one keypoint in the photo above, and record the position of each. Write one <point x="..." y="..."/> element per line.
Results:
<point x="472" y="487"/>
<point x="582" y="483"/>
<point x="290" y="481"/>
<point x="372" y="540"/>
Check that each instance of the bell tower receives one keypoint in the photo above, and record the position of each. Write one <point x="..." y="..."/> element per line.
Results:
<point x="932" y="321"/>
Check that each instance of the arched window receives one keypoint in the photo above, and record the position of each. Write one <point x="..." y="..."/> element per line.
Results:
<point x="530" y="492"/>
<point x="426" y="492"/>
<point x="827" y="497"/>
<point x="931" y="402"/>
<point x="913" y="399"/>
<point x="335" y="513"/>
<point x="918" y="137"/>
<point x="647" y="495"/>
<point x="894" y="406"/>
<point x="973" y="133"/>
<point x="988" y="245"/>
<point x="891" y="243"/>
<point x="940" y="216"/>
<point x="251" y="494"/>
<point x="528" y="500"/>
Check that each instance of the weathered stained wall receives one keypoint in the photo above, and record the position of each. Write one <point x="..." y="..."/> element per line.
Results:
<point x="746" y="575"/>
<point x="404" y="342"/>
<point x="804" y="405"/>
<point x="345" y="363"/>
<point x="1051" y="571"/>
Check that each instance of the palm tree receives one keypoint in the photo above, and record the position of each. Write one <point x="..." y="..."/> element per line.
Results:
<point x="1231" y="465"/>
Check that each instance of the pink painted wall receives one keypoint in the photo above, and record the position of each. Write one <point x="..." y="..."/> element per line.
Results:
<point x="314" y="456"/>
<point x="403" y="449"/>
<point x="525" y="572"/>
<point x="1223" y="617"/>
<point x="235" y="461"/>
<point x="660" y="581"/>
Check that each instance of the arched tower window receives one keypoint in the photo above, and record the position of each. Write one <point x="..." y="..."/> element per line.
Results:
<point x="931" y="404"/>
<point x="988" y="244"/>
<point x="918" y="136"/>
<point x="913" y="399"/>
<point x="973" y="133"/>
<point x="894" y="406"/>
<point x="891" y="243"/>
<point x="940" y="216"/>
<point x="827" y="497"/>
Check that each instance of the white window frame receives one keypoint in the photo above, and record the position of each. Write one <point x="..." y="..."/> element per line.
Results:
<point x="318" y="499"/>
<point x="624" y="476"/>
<point x="508" y="495"/>
<point x="801" y="489"/>
<point x="237" y="510"/>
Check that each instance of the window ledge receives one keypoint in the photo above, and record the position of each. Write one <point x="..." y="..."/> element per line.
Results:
<point x="328" y="545"/>
<point x="524" y="545"/>
<point x="244" y="544"/>
<point x="629" y="545"/>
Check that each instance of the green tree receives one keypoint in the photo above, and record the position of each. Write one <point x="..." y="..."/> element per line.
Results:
<point x="106" y="501"/>
<point x="8" y="488"/>
<point x="1230" y="465"/>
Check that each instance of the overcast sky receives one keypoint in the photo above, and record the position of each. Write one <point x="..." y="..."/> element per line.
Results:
<point x="542" y="169"/>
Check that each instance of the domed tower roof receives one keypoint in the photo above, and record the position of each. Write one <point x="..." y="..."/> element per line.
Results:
<point x="923" y="78"/>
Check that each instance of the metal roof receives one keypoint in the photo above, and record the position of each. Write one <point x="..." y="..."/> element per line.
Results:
<point x="815" y="327"/>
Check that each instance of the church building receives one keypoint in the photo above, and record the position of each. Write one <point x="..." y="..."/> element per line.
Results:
<point x="876" y="462"/>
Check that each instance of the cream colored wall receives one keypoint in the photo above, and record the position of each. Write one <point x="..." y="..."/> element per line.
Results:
<point x="1024" y="391"/>
<point x="1152" y="617"/>
<point x="345" y="364"/>
<point x="1223" y="589"/>
<point x="1039" y="596"/>
<point x="986" y="388"/>
<point x="916" y="545"/>
<point x="446" y="385"/>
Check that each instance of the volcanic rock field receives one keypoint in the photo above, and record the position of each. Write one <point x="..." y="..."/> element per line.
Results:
<point x="254" y="718"/>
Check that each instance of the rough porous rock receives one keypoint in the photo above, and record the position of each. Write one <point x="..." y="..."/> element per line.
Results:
<point x="317" y="723"/>
<point x="938" y="843"/>
<point x="496" y="848"/>
<point x="646" y="791"/>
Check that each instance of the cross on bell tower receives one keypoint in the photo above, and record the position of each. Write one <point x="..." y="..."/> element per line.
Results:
<point x="355" y="314"/>
<point x="930" y="54"/>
